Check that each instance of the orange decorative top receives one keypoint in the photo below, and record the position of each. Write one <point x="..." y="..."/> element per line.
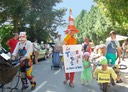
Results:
<point x="71" y="26"/>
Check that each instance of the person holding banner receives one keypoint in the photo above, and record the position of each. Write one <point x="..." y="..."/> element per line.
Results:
<point x="70" y="41"/>
<point x="105" y="70"/>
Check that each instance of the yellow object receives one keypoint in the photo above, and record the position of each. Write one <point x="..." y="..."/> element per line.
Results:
<point x="62" y="59"/>
<point x="107" y="71"/>
<point x="103" y="78"/>
<point x="29" y="71"/>
<point x="67" y="37"/>
<point x="117" y="66"/>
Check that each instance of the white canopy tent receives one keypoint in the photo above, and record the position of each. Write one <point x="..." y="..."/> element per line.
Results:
<point x="118" y="37"/>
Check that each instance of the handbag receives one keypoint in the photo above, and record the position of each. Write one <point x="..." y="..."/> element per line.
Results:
<point x="57" y="48"/>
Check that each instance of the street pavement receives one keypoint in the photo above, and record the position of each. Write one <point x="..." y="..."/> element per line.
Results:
<point x="51" y="80"/>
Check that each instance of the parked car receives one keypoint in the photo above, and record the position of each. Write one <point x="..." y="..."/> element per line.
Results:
<point x="42" y="53"/>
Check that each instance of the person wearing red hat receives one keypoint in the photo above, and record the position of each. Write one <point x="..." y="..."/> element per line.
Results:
<point x="87" y="46"/>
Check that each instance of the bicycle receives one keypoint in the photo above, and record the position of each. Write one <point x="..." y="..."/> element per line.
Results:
<point x="10" y="77"/>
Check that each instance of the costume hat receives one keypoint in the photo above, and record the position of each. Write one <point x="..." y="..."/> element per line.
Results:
<point x="22" y="36"/>
<point x="71" y="26"/>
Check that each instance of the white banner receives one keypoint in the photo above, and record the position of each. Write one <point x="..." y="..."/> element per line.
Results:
<point x="72" y="58"/>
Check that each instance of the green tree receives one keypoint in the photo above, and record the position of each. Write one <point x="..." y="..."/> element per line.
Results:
<point x="93" y="25"/>
<point x="41" y="16"/>
<point x="13" y="10"/>
<point x="117" y="12"/>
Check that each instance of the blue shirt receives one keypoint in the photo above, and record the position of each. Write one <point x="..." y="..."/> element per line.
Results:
<point x="112" y="46"/>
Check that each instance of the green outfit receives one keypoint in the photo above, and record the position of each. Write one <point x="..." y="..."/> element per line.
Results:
<point x="111" y="58"/>
<point x="111" y="47"/>
<point x="86" y="73"/>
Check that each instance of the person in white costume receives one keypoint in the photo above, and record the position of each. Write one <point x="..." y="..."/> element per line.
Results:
<point x="24" y="49"/>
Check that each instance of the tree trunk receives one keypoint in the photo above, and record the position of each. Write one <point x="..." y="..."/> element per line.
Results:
<point x="15" y="23"/>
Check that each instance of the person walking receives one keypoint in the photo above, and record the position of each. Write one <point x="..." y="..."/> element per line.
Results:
<point x="112" y="49"/>
<point x="35" y="51"/>
<point x="58" y="41"/>
<point x="24" y="49"/>
<point x="57" y="51"/>
<point x="70" y="40"/>
<point x="86" y="46"/>
<point x="86" y="74"/>
<point x="12" y="42"/>
<point x="70" y="76"/>
<point x="124" y="47"/>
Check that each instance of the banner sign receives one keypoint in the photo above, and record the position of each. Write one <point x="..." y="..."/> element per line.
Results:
<point x="72" y="58"/>
<point x="103" y="78"/>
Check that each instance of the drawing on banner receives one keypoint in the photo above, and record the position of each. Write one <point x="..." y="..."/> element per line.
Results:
<point x="73" y="58"/>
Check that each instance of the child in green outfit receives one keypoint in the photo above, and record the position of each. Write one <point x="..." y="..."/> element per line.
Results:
<point x="86" y="74"/>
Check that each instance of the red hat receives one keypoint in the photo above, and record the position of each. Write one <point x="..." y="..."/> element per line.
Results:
<point x="71" y="26"/>
<point x="86" y="39"/>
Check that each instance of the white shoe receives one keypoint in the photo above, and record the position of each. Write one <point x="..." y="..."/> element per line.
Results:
<point x="86" y="83"/>
<point x="82" y="83"/>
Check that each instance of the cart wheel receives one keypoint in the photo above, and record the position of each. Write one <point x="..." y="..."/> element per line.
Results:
<point x="122" y="67"/>
<point x="15" y="83"/>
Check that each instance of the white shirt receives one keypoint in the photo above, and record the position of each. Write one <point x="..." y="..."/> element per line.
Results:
<point x="28" y="46"/>
<point x="35" y="47"/>
<point x="58" y="42"/>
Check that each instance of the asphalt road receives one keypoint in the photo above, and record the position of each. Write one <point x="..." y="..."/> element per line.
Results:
<point x="51" y="80"/>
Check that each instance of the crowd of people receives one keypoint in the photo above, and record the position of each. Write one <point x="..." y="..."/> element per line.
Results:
<point x="107" y="56"/>
<point x="23" y="49"/>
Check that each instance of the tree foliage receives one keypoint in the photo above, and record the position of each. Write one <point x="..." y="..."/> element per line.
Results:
<point x="117" y="12"/>
<point x="92" y="25"/>
<point x="106" y="16"/>
<point x="39" y="18"/>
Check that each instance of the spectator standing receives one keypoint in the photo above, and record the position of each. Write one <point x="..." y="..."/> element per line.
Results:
<point x="47" y="46"/>
<point x="42" y="45"/>
<point x="35" y="51"/>
<point x="12" y="42"/>
<point x="124" y="47"/>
